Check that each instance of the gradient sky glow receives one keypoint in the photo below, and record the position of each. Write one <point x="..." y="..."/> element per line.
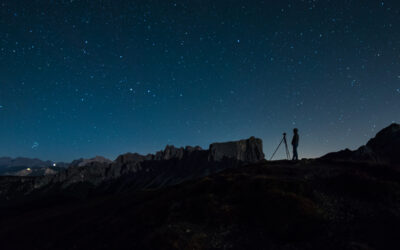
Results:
<point x="80" y="78"/>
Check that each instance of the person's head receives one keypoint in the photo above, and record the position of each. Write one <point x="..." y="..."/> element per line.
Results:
<point x="295" y="130"/>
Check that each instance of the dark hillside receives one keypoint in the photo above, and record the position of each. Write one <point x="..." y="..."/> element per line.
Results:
<point x="279" y="205"/>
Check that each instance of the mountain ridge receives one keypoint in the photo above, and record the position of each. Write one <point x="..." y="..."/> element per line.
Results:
<point x="166" y="167"/>
<point x="384" y="148"/>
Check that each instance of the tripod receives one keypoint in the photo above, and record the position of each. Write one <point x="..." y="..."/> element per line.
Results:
<point x="286" y="147"/>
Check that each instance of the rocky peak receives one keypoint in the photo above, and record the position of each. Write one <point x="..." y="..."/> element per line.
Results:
<point x="383" y="148"/>
<point x="85" y="162"/>
<point x="129" y="157"/>
<point x="385" y="137"/>
<point x="172" y="152"/>
<point x="191" y="149"/>
<point x="250" y="150"/>
<point x="386" y="144"/>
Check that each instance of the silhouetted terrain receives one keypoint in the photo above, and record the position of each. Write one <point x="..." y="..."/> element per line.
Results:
<point x="384" y="148"/>
<point x="167" y="167"/>
<point x="280" y="205"/>
<point x="225" y="197"/>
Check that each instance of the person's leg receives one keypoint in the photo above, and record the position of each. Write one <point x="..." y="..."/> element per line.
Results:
<point x="295" y="156"/>
<point x="294" y="153"/>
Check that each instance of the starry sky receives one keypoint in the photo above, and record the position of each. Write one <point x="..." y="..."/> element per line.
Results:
<point x="81" y="78"/>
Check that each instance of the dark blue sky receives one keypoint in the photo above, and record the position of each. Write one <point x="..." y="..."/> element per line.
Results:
<point x="85" y="78"/>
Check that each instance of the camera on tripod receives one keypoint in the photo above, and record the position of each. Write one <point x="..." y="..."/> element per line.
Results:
<point x="286" y="147"/>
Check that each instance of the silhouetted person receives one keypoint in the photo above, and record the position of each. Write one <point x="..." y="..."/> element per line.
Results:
<point x="295" y="144"/>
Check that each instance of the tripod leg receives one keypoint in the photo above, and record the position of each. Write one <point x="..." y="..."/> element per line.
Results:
<point x="287" y="150"/>
<point x="276" y="150"/>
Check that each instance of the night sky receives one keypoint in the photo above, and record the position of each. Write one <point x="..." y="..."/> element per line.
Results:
<point x="85" y="78"/>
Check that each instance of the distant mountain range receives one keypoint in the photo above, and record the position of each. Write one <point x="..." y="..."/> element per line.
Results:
<point x="166" y="167"/>
<point x="22" y="166"/>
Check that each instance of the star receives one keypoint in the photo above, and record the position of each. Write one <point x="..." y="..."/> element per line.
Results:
<point x="231" y="68"/>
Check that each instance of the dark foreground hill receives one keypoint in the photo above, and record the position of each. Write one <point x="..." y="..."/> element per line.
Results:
<point x="279" y="205"/>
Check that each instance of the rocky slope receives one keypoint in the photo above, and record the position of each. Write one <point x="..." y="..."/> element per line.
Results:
<point x="384" y="148"/>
